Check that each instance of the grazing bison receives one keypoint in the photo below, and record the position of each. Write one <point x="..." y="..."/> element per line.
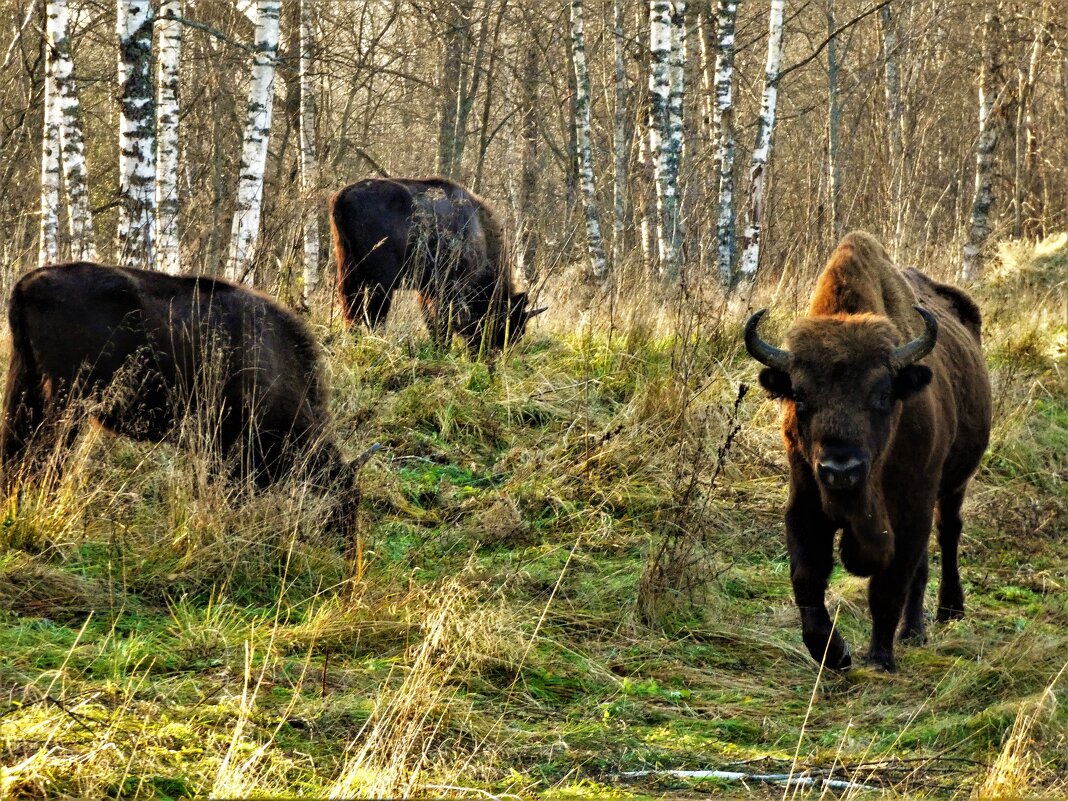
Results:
<point x="138" y="351"/>
<point x="879" y="442"/>
<point x="437" y="237"/>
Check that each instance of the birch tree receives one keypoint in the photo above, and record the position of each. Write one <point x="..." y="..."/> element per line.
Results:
<point x="170" y="53"/>
<point x="137" y="161"/>
<point x="71" y="139"/>
<point x="585" y="151"/>
<point x="48" y="247"/>
<point x="673" y="148"/>
<point x="667" y="44"/>
<point x="309" y="171"/>
<point x="723" y="125"/>
<point x="619" y="135"/>
<point x="990" y="117"/>
<point x="248" y="205"/>
<point x="762" y="149"/>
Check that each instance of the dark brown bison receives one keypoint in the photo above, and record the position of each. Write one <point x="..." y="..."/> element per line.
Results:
<point x="140" y="351"/>
<point x="886" y="414"/>
<point x="437" y="237"/>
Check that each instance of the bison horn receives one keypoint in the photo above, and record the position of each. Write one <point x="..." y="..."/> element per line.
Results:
<point x="918" y="348"/>
<point x="761" y="350"/>
<point x="536" y="312"/>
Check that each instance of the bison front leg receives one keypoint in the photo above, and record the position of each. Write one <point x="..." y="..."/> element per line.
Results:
<point x="889" y="590"/>
<point x="810" y="541"/>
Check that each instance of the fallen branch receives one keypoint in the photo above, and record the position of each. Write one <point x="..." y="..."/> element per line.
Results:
<point x="794" y="780"/>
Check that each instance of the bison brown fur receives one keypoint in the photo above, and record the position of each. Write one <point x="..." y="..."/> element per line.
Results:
<point x="881" y="438"/>
<point x="435" y="236"/>
<point x="141" y="351"/>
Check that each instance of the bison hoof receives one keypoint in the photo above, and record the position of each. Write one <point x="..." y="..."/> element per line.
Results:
<point x="916" y="636"/>
<point x="834" y="655"/>
<point x="948" y="613"/>
<point x="881" y="661"/>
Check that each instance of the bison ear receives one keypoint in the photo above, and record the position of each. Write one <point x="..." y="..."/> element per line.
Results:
<point x="776" y="382"/>
<point x="910" y="380"/>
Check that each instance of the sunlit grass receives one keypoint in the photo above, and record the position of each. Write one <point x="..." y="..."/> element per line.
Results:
<point x="165" y="634"/>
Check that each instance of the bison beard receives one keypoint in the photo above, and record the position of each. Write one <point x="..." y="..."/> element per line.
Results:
<point x="141" y="352"/>
<point x="879" y="444"/>
<point x="441" y="239"/>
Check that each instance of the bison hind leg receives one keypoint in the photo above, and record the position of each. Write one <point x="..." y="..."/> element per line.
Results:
<point x="376" y="303"/>
<point x="949" y="523"/>
<point x="913" y="628"/>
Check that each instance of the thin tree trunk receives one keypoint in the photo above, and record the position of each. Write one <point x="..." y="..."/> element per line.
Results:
<point x="471" y="79"/>
<point x="619" y="136"/>
<point x="72" y="141"/>
<point x="48" y="249"/>
<point x="672" y="148"/>
<point x="528" y="185"/>
<point x="1026" y="80"/>
<point x="249" y="202"/>
<point x="309" y="168"/>
<point x="456" y="42"/>
<point x="659" y="97"/>
<point x="762" y="150"/>
<point x="167" y="107"/>
<point x="895" y="123"/>
<point x="665" y="130"/>
<point x="137" y="158"/>
<point x="723" y="124"/>
<point x="486" y="132"/>
<point x="707" y="38"/>
<point x="990" y="123"/>
<point x="585" y="151"/>
<point x="834" y="121"/>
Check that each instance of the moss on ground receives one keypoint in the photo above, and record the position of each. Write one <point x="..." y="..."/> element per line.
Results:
<point x="161" y="639"/>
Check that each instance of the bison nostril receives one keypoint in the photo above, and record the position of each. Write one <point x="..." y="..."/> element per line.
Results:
<point x="842" y="474"/>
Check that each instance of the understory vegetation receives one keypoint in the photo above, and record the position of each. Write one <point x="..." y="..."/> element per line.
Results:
<point x="571" y="568"/>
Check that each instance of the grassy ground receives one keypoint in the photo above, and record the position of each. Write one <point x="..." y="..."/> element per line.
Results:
<point x="571" y="568"/>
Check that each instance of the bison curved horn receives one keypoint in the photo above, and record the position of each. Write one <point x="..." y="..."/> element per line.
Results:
<point x="536" y="312"/>
<point x="918" y="348"/>
<point x="761" y="350"/>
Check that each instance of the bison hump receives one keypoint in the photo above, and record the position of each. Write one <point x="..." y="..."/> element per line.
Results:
<point x="958" y="302"/>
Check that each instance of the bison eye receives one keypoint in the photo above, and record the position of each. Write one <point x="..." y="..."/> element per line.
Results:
<point x="801" y="406"/>
<point x="881" y="401"/>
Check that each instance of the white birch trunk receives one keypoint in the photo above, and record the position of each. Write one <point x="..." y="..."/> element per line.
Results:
<point x="989" y="128"/>
<point x="167" y="107"/>
<point x="72" y="141"/>
<point x="309" y="169"/>
<point x="762" y="149"/>
<point x="137" y="162"/>
<point x="248" y="205"/>
<point x="48" y="250"/>
<point x="661" y="42"/>
<point x="723" y="125"/>
<point x="672" y="149"/>
<point x="585" y="151"/>
<point x="619" y="136"/>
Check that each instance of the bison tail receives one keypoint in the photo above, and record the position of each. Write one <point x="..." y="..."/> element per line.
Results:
<point x="342" y="244"/>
